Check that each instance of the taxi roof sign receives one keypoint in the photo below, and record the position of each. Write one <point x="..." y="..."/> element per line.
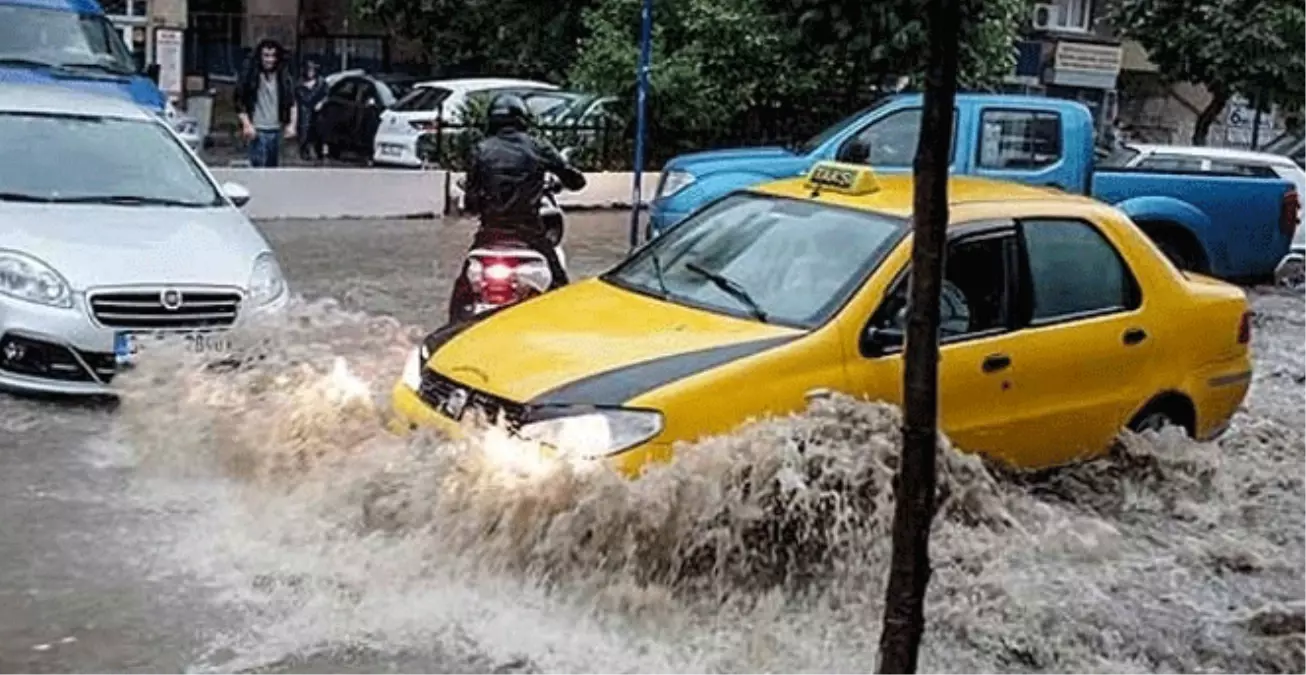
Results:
<point x="849" y="179"/>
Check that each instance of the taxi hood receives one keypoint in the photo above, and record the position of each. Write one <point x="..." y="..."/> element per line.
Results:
<point x="595" y="343"/>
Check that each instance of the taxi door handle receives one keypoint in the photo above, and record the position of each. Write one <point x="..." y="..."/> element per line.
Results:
<point x="1134" y="336"/>
<point x="995" y="362"/>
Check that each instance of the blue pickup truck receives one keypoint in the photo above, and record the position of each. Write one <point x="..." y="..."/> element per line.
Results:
<point x="1231" y="226"/>
<point x="71" y="43"/>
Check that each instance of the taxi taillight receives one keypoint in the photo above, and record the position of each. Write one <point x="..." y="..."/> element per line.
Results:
<point x="1245" y="328"/>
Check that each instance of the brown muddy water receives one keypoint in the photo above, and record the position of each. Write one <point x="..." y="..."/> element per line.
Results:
<point x="264" y="521"/>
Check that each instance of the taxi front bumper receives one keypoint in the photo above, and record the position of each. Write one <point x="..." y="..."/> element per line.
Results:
<point x="410" y="413"/>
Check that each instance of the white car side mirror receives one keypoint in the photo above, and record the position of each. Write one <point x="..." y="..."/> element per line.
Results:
<point x="236" y="192"/>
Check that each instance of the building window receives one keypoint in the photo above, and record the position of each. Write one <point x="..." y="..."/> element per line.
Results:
<point x="1072" y="15"/>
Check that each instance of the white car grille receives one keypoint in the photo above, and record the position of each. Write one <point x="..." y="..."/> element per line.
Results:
<point x="166" y="309"/>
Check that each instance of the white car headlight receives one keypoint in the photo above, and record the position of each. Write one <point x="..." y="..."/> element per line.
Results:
<point x="266" y="283"/>
<point x="26" y="278"/>
<point x="674" y="181"/>
<point x="592" y="435"/>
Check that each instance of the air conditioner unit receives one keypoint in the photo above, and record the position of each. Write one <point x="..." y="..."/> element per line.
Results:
<point x="1046" y="16"/>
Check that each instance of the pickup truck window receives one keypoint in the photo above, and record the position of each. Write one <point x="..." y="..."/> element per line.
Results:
<point x="1074" y="272"/>
<point x="893" y="138"/>
<point x="1019" y="139"/>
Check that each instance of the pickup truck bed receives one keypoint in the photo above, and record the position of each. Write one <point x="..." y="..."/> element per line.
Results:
<point x="1215" y="223"/>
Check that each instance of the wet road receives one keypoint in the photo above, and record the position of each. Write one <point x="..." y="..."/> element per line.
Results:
<point x="79" y="590"/>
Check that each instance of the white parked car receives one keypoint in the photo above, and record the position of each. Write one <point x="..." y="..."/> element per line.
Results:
<point x="438" y="101"/>
<point x="111" y="231"/>
<point x="1289" y="271"/>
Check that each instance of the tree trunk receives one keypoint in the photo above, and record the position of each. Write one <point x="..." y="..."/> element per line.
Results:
<point x="909" y="573"/>
<point x="1219" y="99"/>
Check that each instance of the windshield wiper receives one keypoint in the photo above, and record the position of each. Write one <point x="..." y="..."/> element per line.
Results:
<point x="731" y="287"/>
<point x="103" y="67"/>
<point x="30" y="63"/>
<point x="24" y="197"/>
<point x="657" y="272"/>
<point x="127" y="200"/>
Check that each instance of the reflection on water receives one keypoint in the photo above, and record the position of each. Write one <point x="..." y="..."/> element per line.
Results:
<point x="763" y="550"/>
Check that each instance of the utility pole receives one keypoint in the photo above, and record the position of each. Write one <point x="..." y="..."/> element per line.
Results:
<point x="909" y="572"/>
<point x="641" y="121"/>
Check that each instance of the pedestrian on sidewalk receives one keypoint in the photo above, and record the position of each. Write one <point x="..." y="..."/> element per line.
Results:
<point x="265" y="102"/>
<point x="311" y="91"/>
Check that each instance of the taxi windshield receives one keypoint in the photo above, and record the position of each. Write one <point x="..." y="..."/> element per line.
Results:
<point x="778" y="260"/>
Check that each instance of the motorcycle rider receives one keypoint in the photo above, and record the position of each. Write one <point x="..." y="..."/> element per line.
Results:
<point x="506" y="183"/>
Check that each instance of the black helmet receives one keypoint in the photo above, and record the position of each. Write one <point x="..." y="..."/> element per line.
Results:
<point x="508" y="110"/>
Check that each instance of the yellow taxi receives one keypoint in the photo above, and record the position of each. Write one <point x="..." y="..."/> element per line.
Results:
<point x="1062" y="325"/>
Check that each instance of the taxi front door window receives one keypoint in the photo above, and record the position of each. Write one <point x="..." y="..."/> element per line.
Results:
<point x="974" y="298"/>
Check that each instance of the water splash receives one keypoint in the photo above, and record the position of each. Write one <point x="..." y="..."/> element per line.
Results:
<point x="762" y="550"/>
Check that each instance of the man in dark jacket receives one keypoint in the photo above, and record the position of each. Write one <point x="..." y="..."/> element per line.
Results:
<point x="265" y="102"/>
<point x="506" y="181"/>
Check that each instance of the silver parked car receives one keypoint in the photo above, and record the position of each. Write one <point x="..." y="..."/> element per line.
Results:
<point x="112" y="230"/>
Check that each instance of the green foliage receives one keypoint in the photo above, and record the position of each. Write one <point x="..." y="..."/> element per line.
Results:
<point x="722" y="69"/>
<point x="1248" y="47"/>
<point x="528" y="38"/>
<point x="719" y="64"/>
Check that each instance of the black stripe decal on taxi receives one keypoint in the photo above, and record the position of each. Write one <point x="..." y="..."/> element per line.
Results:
<point x="616" y="386"/>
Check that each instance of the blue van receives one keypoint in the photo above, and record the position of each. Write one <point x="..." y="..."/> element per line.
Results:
<point x="72" y="43"/>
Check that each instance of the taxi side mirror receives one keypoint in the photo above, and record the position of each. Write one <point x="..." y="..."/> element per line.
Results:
<point x="878" y="340"/>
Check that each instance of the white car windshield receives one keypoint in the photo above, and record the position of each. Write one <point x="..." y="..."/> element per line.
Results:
<point x="786" y="261"/>
<point x="76" y="158"/>
<point x="36" y="37"/>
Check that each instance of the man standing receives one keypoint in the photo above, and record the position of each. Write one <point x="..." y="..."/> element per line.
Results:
<point x="265" y="101"/>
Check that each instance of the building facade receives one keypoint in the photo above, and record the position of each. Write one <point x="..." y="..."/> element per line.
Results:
<point x="1065" y="53"/>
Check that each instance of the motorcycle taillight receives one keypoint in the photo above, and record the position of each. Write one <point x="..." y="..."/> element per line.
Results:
<point x="493" y="279"/>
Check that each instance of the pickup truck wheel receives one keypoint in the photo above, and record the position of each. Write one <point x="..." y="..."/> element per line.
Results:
<point x="1175" y="253"/>
<point x="1179" y="247"/>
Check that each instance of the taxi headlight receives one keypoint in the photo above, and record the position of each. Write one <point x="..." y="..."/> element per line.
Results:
<point x="674" y="181"/>
<point x="412" y="377"/>
<point x="592" y="435"/>
<point x="26" y="278"/>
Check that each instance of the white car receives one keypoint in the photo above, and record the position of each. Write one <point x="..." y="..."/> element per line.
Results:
<point x="1289" y="271"/>
<point x="111" y="231"/>
<point x="429" y="103"/>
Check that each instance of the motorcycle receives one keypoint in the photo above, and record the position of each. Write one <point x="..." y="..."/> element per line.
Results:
<point x="506" y="271"/>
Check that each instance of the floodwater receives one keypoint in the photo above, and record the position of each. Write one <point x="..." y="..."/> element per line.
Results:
<point x="263" y="520"/>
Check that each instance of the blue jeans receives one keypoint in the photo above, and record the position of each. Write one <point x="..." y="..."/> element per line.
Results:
<point x="265" y="149"/>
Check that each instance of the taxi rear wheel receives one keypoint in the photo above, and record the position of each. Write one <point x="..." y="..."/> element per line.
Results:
<point x="1166" y="410"/>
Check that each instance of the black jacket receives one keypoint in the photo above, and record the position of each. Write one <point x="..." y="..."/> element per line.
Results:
<point x="247" y="89"/>
<point x="506" y="180"/>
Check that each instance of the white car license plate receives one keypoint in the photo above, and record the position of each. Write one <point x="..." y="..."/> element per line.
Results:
<point x="127" y="345"/>
<point x="391" y="150"/>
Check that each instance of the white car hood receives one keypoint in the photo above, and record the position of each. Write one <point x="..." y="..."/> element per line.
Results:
<point x="98" y="245"/>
